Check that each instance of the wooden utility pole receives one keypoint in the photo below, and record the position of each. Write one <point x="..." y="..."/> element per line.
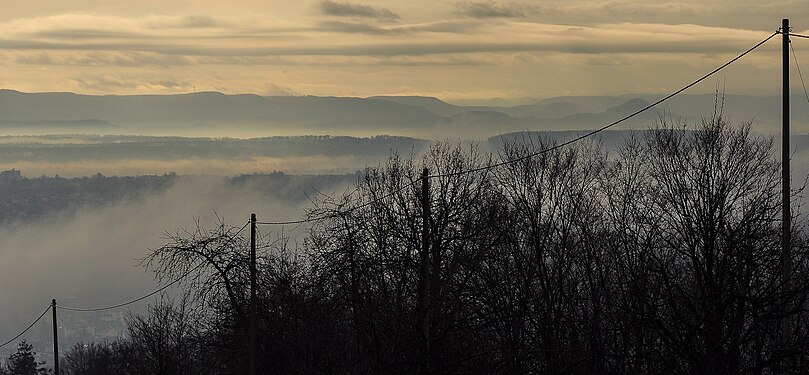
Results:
<point x="253" y="306"/>
<point x="424" y="273"/>
<point x="55" y="340"/>
<point x="786" y="251"/>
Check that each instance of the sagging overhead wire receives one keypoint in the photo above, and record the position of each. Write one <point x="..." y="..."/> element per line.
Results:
<point x="164" y="287"/>
<point x="291" y="222"/>
<point x="616" y="122"/>
<point x="797" y="65"/>
<point x="27" y="328"/>
<point x="540" y="152"/>
<point x="343" y="212"/>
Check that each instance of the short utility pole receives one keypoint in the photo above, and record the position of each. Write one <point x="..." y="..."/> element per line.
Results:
<point x="55" y="340"/>
<point x="253" y="307"/>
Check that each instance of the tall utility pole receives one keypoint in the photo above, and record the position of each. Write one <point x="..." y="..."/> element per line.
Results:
<point x="786" y="251"/>
<point x="55" y="340"/>
<point x="424" y="272"/>
<point x="253" y="294"/>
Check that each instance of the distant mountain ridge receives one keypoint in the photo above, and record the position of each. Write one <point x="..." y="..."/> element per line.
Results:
<point x="221" y="114"/>
<point x="209" y="107"/>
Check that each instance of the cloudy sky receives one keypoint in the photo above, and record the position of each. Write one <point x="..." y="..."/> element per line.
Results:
<point x="454" y="50"/>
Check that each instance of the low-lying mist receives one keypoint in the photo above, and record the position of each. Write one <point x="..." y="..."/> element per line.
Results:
<point x="193" y="166"/>
<point x="84" y="155"/>
<point x="90" y="257"/>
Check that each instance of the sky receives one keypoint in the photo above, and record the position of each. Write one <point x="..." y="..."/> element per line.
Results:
<point x="453" y="50"/>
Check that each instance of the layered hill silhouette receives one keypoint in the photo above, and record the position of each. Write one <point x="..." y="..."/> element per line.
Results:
<point x="217" y="113"/>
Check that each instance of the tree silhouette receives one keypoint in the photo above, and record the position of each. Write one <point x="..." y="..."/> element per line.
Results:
<point x="23" y="361"/>
<point x="660" y="257"/>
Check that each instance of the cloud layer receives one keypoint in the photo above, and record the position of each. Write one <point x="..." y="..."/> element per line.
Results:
<point x="515" y="48"/>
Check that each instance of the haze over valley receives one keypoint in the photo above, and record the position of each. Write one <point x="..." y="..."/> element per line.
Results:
<point x="103" y="178"/>
<point x="475" y="187"/>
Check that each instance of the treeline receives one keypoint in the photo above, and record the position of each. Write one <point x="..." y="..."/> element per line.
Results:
<point x="34" y="198"/>
<point x="662" y="257"/>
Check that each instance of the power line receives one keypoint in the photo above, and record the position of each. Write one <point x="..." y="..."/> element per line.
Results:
<point x="799" y="35"/>
<point x="134" y="300"/>
<point x="627" y="117"/>
<point x="331" y="215"/>
<point x="290" y="222"/>
<point x="543" y="151"/>
<point x="164" y="287"/>
<point x="29" y="327"/>
<point x="794" y="56"/>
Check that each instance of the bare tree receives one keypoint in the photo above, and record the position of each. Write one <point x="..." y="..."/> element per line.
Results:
<point x="388" y="273"/>
<point x="215" y="260"/>
<point x="712" y="207"/>
<point x="165" y="340"/>
<point x="553" y="259"/>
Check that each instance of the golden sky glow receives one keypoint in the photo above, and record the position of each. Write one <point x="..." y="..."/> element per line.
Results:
<point x="453" y="50"/>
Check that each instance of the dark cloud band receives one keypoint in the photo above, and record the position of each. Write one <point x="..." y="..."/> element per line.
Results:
<point x="494" y="10"/>
<point x="334" y="8"/>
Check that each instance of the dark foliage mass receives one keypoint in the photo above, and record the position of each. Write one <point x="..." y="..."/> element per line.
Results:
<point x="663" y="257"/>
<point x="23" y="362"/>
<point x="27" y="199"/>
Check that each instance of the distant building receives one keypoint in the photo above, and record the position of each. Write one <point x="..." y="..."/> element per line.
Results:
<point x="12" y="175"/>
